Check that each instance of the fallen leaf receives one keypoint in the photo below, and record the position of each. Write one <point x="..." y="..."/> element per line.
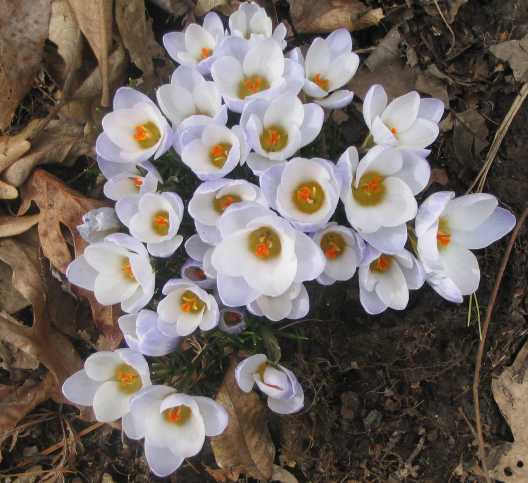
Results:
<point x="11" y="301"/>
<point x="95" y="21"/>
<point x="64" y="32"/>
<point x="470" y="135"/>
<point x="510" y="391"/>
<point x="60" y="205"/>
<point x="174" y="7"/>
<point x="434" y="87"/>
<point x="245" y="446"/>
<point x="282" y="475"/>
<point x="12" y="149"/>
<point x="22" y="36"/>
<point x="328" y="15"/>
<point x="15" y="225"/>
<point x="439" y="175"/>
<point x="7" y="192"/>
<point x="225" y="7"/>
<point x="515" y="52"/>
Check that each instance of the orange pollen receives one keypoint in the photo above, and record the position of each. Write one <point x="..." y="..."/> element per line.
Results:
<point x="374" y="185"/>
<point x="274" y="137"/>
<point x="393" y="130"/>
<point x="126" y="377"/>
<point x="262" y="250"/>
<point x="161" y="220"/>
<point x="126" y="268"/>
<point x="321" y="82"/>
<point x="383" y="263"/>
<point x="304" y="194"/>
<point x="217" y="150"/>
<point x="141" y="134"/>
<point x="253" y="85"/>
<point x="443" y="238"/>
<point x="138" y="181"/>
<point x="174" y="414"/>
<point x="332" y="251"/>
<point x="206" y="52"/>
<point x="227" y="201"/>
<point x="187" y="307"/>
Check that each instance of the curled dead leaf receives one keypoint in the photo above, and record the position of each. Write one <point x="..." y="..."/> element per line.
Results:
<point x="7" y="191"/>
<point x="245" y="446"/>
<point x="515" y="52"/>
<point x="22" y="36"/>
<point x="225" y="7"/>
<point x="15" y="225"/>
<point x="328" y="15"/>
<point x="12" y="149"/>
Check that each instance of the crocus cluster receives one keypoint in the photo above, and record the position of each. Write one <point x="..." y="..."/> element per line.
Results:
<point x="238" y="112"/>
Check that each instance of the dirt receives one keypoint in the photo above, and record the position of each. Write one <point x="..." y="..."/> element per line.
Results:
<point x="388" y="397"/>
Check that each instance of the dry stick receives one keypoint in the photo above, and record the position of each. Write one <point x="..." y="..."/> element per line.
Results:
<point x="480" y="353"/>
<point x="499" y="136"/>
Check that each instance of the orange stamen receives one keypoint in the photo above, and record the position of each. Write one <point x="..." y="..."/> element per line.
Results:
<point x="332" y="251"/>
<point x="138" y="181"/>
<point x="253" y="85"/>
<point x="304" y="194"/>
<point x="227" y="202"/>
<point x="262" y="250"/>
<point x="373" y="186"/>
<point x="393" y="130"/>
<point x="443" y="238"/>
<point x="321" y="82"/>
<point x="126" y="268"/>
<point x="217" y="151"/>
<point x="140" y="133"/>
<point x="383" y="263"/>
<point x="187" y="307"/>
<point x="206" y="52"/>
<point x="161" y="220"/>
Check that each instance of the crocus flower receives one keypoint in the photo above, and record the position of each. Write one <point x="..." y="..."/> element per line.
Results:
<point x="293" y="304"/>
<point x="378" y="201"/>
<point x="117" y="270"/>
<point x="285" y="394"/>
<point x="304" y="191"/>
<point x="232" y="321"/>
<point x="186" y="307"/>
<point x="329" y="65"/>
<point x="277" y="129"/>
<point x="407" y="122"/>
<point x="134" y="131"/>
<point x="447" y="228"/>
<point x="192" y="271"/>
<point x="213" y="151"/>
<point x="212" y="198"/>
<point x="343" y="249"/>
<point x="254" y="70"/>
<point x="98" y="223"/>
<point x="108" y="382"/>
<point x="261" y="254"/>
<point x="174" y="425"/>
<point x="142" y="334"/>
<point x="153" y="218"/>
<point x="201" y="251"/>
<point x="251" y="21"/>
<point x="385" y="280"/>
<point x="197" y="45"/>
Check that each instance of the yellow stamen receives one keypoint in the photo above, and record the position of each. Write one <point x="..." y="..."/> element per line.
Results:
<point x="309" y="197"/>
<point x="321" y="82"/>
<point x="147" y="134"/>
<point x="251" y="85"/>
<point x="128" y="379"/>
<point x="333" y="245"/>
<point x="178" y="415"/>
<point x="264" y="243"/>
<point x="190" y="303"/>
<point x="371" y="189"/>
<point x="161" y="223"/>
<point x="274" y="138"/>
<point x="218" y="154"/>
<point x="126" y="270"/>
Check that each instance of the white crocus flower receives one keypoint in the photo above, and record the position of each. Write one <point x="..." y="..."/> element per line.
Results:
<point x="385" y="280"/>
<point x="254" y="70"/>
<point x="304" y="191"/>
<point x="108" y="382"/>
<point x="134" y="131"/>
<point x="277" y="129"/>
<point x="117" y="270"/>
<point x="98" y="223"/>
<point x="293" y="304"/>
<point x="212" y="198"/>
<point x="251" y="21"/>
<point x="213" y="151"/>
<point x="407" y="122"/>
<point x="142" y="334"/>
<point x="186" y="307"/>
<point x="174" y="425"/>
<point x="261" y="254"/>
<point x="329" y="65"/>
<point x="201" y="251"/>
<point x="192" y="271"/>
<point x="343" y="249"/>
<point x="378" y="201"/>
<point x="447" y="228"/>
<point x="197" y="45"/>
<point x="154" y="219"/>
<point x="285" y="394"/>
<point x="232" y="321"/>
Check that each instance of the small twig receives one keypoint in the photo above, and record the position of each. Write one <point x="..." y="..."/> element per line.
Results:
<point x="480" y="352"/>
<point x="453" y="38"/>
<point x="497" y="140"/>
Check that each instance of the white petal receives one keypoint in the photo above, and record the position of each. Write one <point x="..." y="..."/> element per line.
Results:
<point x="110" y="403"/>
<point x="165" y="248"/>
<point x="431" y="109"/>
<point x="235" y="291"/>
<point x="265" y="59"/>
<point x="420" y="134"/>
<point x="284" y="110"/>
<point x="246" y="369"/>
<point x="469" y="211"/>
<point x="312" y="123"/>
<point x="110" y="289"/>
<point x="287" y="406"/>
<point x="80" y="273"/>
<point x="174" y="42"/>
<point x="80" y="389"/>
<point x="383" y="159"/>
<point x="214" y="415"/>
<point x="392" y="288"/>
<point x="342" y="70"/>
<point x="370" y="301"/>
<point x="374" y="104"/>
<point x="317" y="58"/>
<point x="430" y="210"/>
<point x="461" y="266"/>
<point x="162" y="461"/>
<point x="415" y="172"/>
<point x="311" y="261"/>
<point x="402" y="111"/>
<point x="196" y="248"/>
<point x="387" y="239"/>
<point x="102" y="365"/>
<point x="227" y="73"/>
<point x="337" y="100"/>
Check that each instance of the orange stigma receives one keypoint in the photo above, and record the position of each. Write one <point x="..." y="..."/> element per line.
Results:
<point x="178" y="415"/>
<point x="138" y="182"/>
<point x="128" y="379"/>
<point x="253" y="85"/>
<point x="373" y="185"/>
<point x="126" y="270"/>
<point x="205" y="53"/>
<point x="304" y="194"/>
<point x="321" y="82"/>
<point x="393" y="130"/>
<point x="140" y="133"/>
<point x="381" y="264"/>
<point x="262" y="250"/>
<point x="332" y="251"/>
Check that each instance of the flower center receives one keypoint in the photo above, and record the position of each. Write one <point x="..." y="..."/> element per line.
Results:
<point x="443" y="235"/>
<point x="308" y="197"/>
<point x="138" y="182"/>
<point x="218" y="154"/>
<point x="321" y="82"/>
<point x="232" y="318"/>
<point x="371" y="189"/>
<point x="178" y="415"/>
<point x="251" y="85"/>
<point x="126" y="270"/>
<point x="381" y="264"/>
<point x="160" y="222"/>
<point x="273" y="139"/>
<point x="393" y="130"/>
<point x="205" y="53"/>
<point x="147" y="135"/>
<point x="190" y="303"/>
<point x="196" y="274"/>
<point x="264" y="243"/>
<point x="224" y="202"/>
<point x="127" y="378"/>
<point x="261" y="370"/>
<point x="333" y="245"/>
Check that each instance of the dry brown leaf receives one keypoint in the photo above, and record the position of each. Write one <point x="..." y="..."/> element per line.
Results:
<point x="470" y="135"/>
<point x="225" y="7"/>
<point x="59" y="142"/>
<point x="515" y="52"/>
<point x="60" y="205"/>
<point x="11" y="301"/>
<point x="12" y="149"/>
<point x="65" y="33"/>
<point x="95" y="21"/>
<point x="510" y="391"/>
<point x="15" y="225"/>
<point x="174" y="7"/>
<point x="23" y="31"/>
<point x="328" y="15"/>
<point x="245" y="446"/>
<point x="7" y="191"/>
<point x="282" y="475"/>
